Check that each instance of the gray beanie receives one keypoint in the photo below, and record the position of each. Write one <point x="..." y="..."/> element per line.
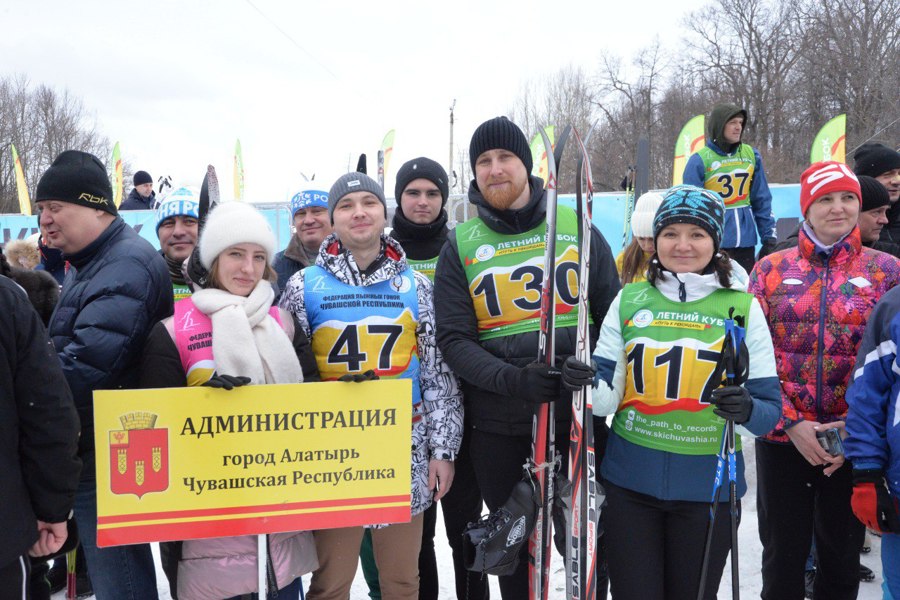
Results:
<point x="353" y="182"/>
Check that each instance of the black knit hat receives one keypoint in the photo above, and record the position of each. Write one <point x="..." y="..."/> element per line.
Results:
<point x="497" y="133"/>
<point x="874" y="159"/>
<point x="694" y="205"/>
<point x="874" y="194"/>
<point x="421" y="168"/>
<point x="141" y="177"/>
<point x="79" y="178"/>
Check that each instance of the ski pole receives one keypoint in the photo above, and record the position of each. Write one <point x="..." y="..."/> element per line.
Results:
<point x="734" y="336"/>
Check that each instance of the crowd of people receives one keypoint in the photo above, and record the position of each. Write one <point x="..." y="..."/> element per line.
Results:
<point x="814" y="383"/>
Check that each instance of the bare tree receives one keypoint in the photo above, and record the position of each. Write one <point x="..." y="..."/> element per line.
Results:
<point x="853" y="66"/>
<point x="564" y="98"/>
<point x="41" y="122"/>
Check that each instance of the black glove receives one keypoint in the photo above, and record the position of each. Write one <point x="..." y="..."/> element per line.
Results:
<point x="369" y="375"/>
<point x="226" y="382"/>
<point x="733" y="403"/>
<point x="576" y="375"/>
<point x="872" y="503"/>
<point x="767" y="248"/>
<point x="538" y="383"/>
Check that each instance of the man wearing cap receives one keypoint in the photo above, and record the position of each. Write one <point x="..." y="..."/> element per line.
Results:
<point x="142" y="196"/>
<point x="177" y="226"/>
<point x="369" y="315"/>
<point x="420" y="225"/>
<point x="883" y="163"/>
<point x="309" y="213"/>
<point x="488" y="279"/>
<point x="116" y="289"/>
<point x="734" y="170"/>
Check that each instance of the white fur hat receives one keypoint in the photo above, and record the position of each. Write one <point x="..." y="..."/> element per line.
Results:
<point x="234" y="223"/>
<point x="644" y="211"/>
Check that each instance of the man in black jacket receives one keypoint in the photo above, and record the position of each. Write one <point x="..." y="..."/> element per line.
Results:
<point x="420" y="225"/>
<point x="883" y="163"/>
<point x="39" y="465"/>
<point x="142" y="196"/>
<point x="116" y="289"/>
<point x="487" y="286"/>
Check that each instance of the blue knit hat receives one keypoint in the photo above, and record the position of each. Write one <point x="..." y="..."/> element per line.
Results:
<point x="694" y="205"/>
<point x="306" y="198"/>
<point x="183" y="201"/>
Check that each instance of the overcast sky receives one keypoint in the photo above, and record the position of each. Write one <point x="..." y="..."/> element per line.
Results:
<point x="177" y="82"/>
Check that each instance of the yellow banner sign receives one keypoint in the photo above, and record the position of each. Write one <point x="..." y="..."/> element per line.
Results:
<point x="198" y="462"/>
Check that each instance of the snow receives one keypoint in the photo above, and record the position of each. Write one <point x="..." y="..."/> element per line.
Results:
<point x="749" y="554"/>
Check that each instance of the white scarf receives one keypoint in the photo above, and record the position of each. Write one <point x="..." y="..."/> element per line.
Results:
<point x="241" y="325"/>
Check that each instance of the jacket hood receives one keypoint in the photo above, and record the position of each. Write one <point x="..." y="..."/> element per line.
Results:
<point x="720" y="115"/>
<point x="512" y="221"/>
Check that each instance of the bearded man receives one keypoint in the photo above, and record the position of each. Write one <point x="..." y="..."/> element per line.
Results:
<point x="488" y="285"/>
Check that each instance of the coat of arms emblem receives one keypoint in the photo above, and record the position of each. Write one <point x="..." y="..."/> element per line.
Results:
<point x="138" y="456"/>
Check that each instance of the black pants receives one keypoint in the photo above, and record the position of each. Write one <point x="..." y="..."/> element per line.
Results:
<point x="746" y="257"/>
<point x="14" y="579"/>
<point x="797" y="502"/>
<point x="655" y="547"/>
<point x="462" y="505"/>
<point x="498" y="461"/>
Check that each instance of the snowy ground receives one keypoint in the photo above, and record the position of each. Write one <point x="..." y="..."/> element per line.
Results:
<point x="749" y="554"/>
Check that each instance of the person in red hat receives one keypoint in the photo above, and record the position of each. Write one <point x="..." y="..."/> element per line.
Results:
<point x="817" y="298"/>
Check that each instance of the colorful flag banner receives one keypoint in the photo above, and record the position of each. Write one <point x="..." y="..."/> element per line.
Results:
<point x="831" y="141"/>
<point x="387" y="147"/>
<point x="21" y="188"/>
<point x="689" y="141"/>
<point x="539" y="153"/>
<point x="238" y="172"/>
<point x="118" y="175"/>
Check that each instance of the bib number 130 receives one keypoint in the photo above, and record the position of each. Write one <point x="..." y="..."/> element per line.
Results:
<point x="532" y="279"/>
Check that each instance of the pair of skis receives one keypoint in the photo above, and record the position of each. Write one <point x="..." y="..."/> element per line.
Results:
<point x="581" y="538"/>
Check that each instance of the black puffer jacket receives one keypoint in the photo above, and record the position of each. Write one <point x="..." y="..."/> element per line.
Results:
<point x="135" y="201"/>
<point x="115" y="292"/>
<point x="39" y="466"/>
<point x="490" y="369"/>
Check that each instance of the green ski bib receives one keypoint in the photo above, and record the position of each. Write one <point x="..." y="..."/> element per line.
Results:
<point x="506" y="273"/>
<point x="672" y="349"/>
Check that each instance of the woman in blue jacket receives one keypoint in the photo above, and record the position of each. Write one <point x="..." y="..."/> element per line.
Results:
<point x="657" y="359"/>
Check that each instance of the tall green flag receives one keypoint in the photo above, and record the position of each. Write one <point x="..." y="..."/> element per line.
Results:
<point x="539" y="152"/>
<point x="689" y="141"/>
<point x="21" y="188"/>
<point x="118" y="175"/>
<point x="238" y="172"/>
<point x="831" y="141"/>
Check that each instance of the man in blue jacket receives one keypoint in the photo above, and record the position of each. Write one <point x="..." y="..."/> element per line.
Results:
<point x="116" y="289"/>
<point x="873" y="426"/>
<point x="734" y="170"/>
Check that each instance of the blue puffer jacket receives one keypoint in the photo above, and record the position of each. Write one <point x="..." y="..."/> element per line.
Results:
<point x="873" y="420"/>
<point x="116" y="289"/>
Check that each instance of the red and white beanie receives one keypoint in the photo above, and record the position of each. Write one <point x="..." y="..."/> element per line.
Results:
<point x="823" y="178"/>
